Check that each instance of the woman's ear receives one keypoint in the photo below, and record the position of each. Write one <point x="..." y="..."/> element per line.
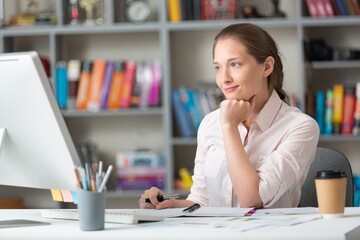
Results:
<point x="269" y="66"/>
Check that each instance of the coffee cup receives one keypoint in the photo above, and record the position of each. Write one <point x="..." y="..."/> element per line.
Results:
<point x="331" y="192"/>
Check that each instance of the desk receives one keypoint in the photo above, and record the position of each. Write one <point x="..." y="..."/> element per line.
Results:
<point x="347" y="227"/>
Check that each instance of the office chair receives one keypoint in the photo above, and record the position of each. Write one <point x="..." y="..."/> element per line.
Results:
<point x="326" y="159"/>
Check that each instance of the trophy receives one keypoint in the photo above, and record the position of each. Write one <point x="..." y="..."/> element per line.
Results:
<point x="93" y="11"/>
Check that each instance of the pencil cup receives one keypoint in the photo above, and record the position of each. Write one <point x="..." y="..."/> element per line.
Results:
<point x="331" y="193"/>
<point x="91" y="208"/>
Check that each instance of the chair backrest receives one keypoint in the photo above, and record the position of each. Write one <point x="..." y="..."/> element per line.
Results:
<point x="326" y="159"/>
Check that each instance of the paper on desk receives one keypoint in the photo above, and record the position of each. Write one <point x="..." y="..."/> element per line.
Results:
<point x="201" y="212"/>
<point x="243" y="224"/>
<point x="286" y="211"/>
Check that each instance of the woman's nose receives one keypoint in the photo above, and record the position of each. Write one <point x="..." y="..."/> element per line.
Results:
<point x="225" y="76"/>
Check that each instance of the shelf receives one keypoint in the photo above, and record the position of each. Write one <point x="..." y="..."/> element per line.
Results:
<point x="338" y="138"/>
<point x="335" y="64"/>
<point x="184" y="141"/>
<point x="330" y="21"/>
<point x="122" y="112"/>
<point x="218" y="24"/>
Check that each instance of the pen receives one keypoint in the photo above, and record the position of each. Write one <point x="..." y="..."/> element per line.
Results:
<point x="108" y="171"/>
<point x="160" y="198"/>
<point x="251" y="212"/>
<point x="191" y="208"/>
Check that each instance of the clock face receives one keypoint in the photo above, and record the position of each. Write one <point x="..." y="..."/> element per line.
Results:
<point x="137" y="11"/>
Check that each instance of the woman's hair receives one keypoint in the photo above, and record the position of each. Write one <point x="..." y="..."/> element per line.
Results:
<point x="260" y="45"/>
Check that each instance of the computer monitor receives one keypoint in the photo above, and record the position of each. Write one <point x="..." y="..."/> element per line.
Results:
<point x="36" y="150"/>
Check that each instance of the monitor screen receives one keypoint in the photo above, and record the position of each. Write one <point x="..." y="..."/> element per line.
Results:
<point x="36" y="150"/>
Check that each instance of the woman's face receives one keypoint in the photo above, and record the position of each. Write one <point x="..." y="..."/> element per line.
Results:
<point x="238" y="74"/>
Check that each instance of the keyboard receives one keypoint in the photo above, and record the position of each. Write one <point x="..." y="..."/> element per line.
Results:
<point x="125" y="216"/>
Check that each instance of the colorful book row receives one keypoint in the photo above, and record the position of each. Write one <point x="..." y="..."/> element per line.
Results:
<point x="337" y="110"/>
<point x="98" y="84"/>
<point x="180" y="10"/>
<point x="191" y="105"/>
<point x="328" y="8"/>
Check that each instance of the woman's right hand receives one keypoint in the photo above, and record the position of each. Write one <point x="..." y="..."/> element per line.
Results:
<point x="152" y="194"/>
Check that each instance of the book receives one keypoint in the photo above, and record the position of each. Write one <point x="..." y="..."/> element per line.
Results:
<point x="320" y="6"/>
<point x="154" y="95"/>
<point x="356" y="5"/>
<point x="128" y="84"/>
<point x="312" y="8"/>
<point x="84" y="85"/>
<point x="116" y="86"/>
<point x="328" y="130"/>
<point x="138" y="84"/>
<point x="105" y="89"/>
<point x="97" y="77"/>
<point x="350" y="7"/>
<point x="196" y="8"/>
<point x="186" y="10"/>
<point x="342" y="7"/>
<point x="335" y="7"/>
<point x="61" y="84"/>
<point x="356" y="128"/>
<point x="174" y="10"/>
<point x="73" y="75"/>
<point x="329" y="11"/>
<point x="348" y="110"/>
<point x="320" y="109"/>
<point x="182" y="117"/>
<point x="146" y="85"/>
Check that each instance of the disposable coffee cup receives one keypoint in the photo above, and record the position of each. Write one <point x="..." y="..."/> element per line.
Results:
<point x="331" y="192"/>
<point x="91" y="209"/>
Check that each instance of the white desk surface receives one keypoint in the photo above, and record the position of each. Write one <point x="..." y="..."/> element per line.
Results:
<point x="347" y="227"/>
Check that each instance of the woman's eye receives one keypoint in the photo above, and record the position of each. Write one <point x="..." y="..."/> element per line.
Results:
<point x="235" y="64"/>
<point x="216" y="68"/>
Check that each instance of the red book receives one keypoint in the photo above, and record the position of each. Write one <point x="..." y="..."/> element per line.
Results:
<point x="348" y="111"/>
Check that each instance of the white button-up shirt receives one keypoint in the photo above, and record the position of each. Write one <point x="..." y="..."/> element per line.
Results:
<point x="281" y="146"/>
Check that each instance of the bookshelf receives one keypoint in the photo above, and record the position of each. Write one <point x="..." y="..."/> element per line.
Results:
<point x="184" y="49"/>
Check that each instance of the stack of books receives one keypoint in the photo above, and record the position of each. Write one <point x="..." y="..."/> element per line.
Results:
<point x="140" y="170"/>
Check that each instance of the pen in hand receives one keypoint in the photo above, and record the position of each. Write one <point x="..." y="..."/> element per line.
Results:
<point x="160" y="198"/>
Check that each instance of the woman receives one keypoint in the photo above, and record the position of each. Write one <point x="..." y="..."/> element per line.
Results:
<point x="255" y="150"/>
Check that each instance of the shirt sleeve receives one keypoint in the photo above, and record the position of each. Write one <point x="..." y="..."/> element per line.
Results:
<point x="198" y="189"/>
<point x="285" y="167"/>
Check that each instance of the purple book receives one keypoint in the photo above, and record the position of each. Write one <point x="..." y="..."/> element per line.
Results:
<point x="110" y="65"/>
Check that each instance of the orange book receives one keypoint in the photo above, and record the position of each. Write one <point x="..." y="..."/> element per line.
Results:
<point x="84" y="84"/>
<point x="97" y="77"/>
<point x="116" y="85"/>
<point x="127" y="88"/>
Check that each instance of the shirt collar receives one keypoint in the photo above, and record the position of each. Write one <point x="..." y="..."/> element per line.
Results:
<point x="268" y="113"/>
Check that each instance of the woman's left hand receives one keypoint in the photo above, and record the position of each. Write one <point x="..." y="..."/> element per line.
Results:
<point x="234" y="112"/>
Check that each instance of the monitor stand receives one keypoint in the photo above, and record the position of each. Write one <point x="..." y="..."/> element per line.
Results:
<point x="16" y="222"/>
<point x="20" y="223"/>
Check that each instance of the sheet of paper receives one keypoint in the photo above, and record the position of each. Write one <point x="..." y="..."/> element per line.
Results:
<point x="201" y="212"/>
<point x="286" y="211"/>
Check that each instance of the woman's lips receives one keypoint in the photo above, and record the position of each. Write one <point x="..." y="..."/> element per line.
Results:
<point x="230" y="89"/>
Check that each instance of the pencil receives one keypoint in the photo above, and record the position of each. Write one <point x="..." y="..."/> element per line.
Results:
<point x="77" y="178"/>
